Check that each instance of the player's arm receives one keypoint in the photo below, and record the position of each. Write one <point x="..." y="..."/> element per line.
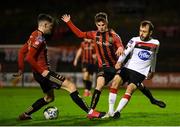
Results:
<point x="118" y="44"/>
<point x="153" y="64"/>
<point x="67" y="19"/>
<point x="78" y="54"/>
<point x="21" y="55"/>
<point x="122" y="57"/>
<point x="30" y="58"/>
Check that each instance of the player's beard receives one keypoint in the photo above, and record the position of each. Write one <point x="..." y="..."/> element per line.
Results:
<point x="147" y="38"/>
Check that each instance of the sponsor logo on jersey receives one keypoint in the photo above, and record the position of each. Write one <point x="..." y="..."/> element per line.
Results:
<point x="144" y="55"/>
<point x="103" y="43"/>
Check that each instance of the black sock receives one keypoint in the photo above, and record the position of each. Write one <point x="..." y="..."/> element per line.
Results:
<point x="36" y="106"/>
<point x="95" y="98"/>
<point x="79" y="101"/>
<point x="147" y="93"/>
<point x="88" y="85"/>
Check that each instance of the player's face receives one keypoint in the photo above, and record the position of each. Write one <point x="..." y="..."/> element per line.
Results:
<point x="102" y="26"/>
<point x="48" y="28"/>
<point x="144" y="32"/>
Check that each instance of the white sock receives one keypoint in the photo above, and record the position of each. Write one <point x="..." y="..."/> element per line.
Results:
<point x="123" y="102"/>
<point x="112" y="100"/>
<point x="91" y="111"/>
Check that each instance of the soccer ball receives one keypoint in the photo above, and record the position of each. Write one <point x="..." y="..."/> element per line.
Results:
<point x="51" y="112"/>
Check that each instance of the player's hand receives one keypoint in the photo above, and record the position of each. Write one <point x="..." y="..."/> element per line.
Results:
<point x="119" y="51"/>
<point x="75" y="63"/>
<point x="45" y="73"/>
<point x="112" y="31"/>
<point x="150" y="75"/>
<point x="66" y="18"/>
<point x="118" y="65"/>
<point x="18" y="74"/>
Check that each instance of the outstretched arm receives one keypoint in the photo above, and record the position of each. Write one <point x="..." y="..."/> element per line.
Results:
<point x="67" y="19"/>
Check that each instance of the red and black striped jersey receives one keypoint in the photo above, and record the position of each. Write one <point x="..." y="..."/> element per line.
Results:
<point x="35" y="51"/>
<point x="88" y="49"/>
<point x="106" y="44"/>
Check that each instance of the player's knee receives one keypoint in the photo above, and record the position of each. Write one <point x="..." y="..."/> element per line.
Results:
<point x="49" y="99"/>
<point x="116" y="82"/>
<point x="131" y="88"/>
<point x="69" y="86"/>
<point x="99" y="86"/>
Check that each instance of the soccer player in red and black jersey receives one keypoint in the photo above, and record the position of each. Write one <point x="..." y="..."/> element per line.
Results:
<point x="108" y="47"/>
<point x="35" y="51"/>
<point x="88" y="62"/>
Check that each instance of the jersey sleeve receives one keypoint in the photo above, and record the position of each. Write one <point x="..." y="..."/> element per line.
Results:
<point x="78" y="32"/>
<point x="33" y="49"/>
<point x="21" y="55"/>
<point x="118" y="41"/>
<point x="153" y="64"/>
<point x="128" y="49"/>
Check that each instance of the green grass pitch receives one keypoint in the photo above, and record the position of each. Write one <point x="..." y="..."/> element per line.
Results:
<point x="139" y="112"/>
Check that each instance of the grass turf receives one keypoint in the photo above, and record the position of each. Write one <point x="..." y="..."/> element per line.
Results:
<point x="139" y="112"/>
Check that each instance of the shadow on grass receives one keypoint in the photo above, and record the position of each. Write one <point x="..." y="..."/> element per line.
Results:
<point x="127" y="119"/>
<point x="64" y="121"/>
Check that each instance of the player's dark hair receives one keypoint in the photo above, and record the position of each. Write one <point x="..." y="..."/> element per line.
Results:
<point x="45" y="17"/>
<point x="147" y="22"/>
<point x="101" y="16"/>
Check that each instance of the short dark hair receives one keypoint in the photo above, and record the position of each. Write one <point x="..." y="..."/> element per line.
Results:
<point x="45" y="17"/>
<point x="147" y="22"/>
<point x="101" y="16"/>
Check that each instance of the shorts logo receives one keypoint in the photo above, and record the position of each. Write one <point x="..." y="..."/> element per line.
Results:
<point x="144" y="55"/>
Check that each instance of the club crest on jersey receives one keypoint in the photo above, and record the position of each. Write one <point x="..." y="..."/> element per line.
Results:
<point x="40" y="39"/>
<point x="144" y="55"/>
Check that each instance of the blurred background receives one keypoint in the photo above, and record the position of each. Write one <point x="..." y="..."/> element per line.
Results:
<point x="18" y="20"/>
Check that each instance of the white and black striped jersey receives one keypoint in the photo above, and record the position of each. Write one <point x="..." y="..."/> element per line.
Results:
<point x="142" y="55"/>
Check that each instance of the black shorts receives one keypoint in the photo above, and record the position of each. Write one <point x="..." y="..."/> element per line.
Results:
<point x="107" y="72"/>
<point x="91" y="68"/>
<point x="45" y="83"/>
<point x="131" y="76"/>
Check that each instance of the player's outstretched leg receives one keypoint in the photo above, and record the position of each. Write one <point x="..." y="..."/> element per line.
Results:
<point x="159" y="103"/>
<point x="149" y="95"/>
<point x="35" y="107"/>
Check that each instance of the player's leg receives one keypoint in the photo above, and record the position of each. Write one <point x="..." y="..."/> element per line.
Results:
<point x="134" y="78"/>
<point x="113" y="93"/>
<point x="149" y="95"/>
<point x="38" y="104"/>
<point x="87" y="82"/>
<point x="97" y="91"/>
<point x="125" y="99"/>
<point x="95" y="98"/>
<point x="116" y="82"/>
<point x="70" y="87"/>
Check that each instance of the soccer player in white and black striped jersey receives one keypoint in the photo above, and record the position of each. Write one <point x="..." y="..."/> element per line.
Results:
<point x="140" y="65"/>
